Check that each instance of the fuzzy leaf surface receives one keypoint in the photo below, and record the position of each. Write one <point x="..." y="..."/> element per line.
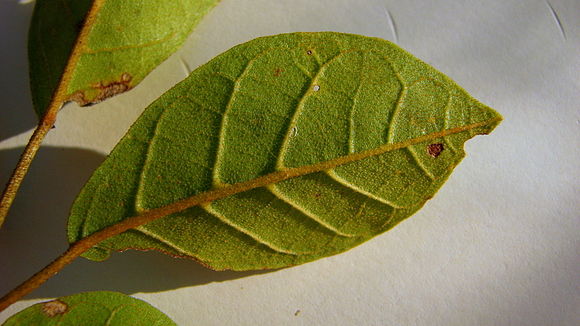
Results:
<point x="291" y="147"/>
<point x="117" y="45"/>
<point x="91" y="309"/>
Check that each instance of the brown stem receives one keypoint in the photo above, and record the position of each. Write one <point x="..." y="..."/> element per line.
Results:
<point x="74" y="251"/>
<point x="42" y="276"/>
<point x="79" y="247"/>
<point x="60" y="97"/>
<point x="25" y="160"/>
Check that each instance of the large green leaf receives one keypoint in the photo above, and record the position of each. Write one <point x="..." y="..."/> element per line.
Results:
<point x="109" y="45"/>
<point x="91" y="309"/>
<point x="295" y="147"/>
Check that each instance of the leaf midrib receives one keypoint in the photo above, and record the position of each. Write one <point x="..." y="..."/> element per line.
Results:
<point x="60" y="95"/>
<point x="271" y="178"/>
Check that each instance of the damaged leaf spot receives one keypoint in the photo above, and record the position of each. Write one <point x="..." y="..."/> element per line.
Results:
<point x="309" y="52"/>
<point x="104" y="91"/>
<point x="278" y="72"/>
<point x="316" y="88"/>
<point x="435" y="149"/>
<point x="54" y="308"/>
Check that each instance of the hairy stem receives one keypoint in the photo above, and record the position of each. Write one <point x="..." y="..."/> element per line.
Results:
<point x="58" y="99"/>
<point x="79" y="247"/>
<point x="25" y="160"/>
<point x="42" y="276"/>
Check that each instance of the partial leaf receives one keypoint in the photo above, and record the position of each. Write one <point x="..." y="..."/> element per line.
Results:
<point x="95" y="49"/>
<point x="91" y="309"/>
<point x="288" y="148"/>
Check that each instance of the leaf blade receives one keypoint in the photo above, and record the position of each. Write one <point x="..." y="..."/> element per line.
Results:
<point x="91" y="308"/>
<point x="287" y="160"/>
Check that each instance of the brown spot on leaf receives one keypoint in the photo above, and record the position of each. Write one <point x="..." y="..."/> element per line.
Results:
<point x="105" y="90"/>
<point x="278" y="72"/>
<point x="435" y="149"/>
<point x="54" y="308"/>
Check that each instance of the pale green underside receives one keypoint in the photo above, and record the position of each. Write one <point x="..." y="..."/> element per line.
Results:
<point x="128" y="37"/>
<point x="92" y="309"/>
<point x="270" y="104"/>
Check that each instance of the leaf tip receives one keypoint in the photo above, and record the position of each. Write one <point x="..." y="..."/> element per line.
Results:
<point x="490" y="117"/>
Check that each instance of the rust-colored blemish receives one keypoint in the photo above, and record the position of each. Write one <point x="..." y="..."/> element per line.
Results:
<point x="278" y="72"/>
<point x="105" y="90"/>
<point x="54" y="308"/>
<point x="435" y="149"/>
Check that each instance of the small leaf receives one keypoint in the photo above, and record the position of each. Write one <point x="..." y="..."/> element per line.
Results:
<point x="109" y="46"/>
<point x="91" y="309"/>
<point x="284" y="150"/>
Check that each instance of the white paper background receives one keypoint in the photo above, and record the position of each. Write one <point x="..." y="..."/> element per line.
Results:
<point x="498" y="245"/>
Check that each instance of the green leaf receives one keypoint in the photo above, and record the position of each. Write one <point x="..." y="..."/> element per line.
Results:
<point x="89" y="50"/>
<point x="281" y="151"/>
<point x="91" y="309"/>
